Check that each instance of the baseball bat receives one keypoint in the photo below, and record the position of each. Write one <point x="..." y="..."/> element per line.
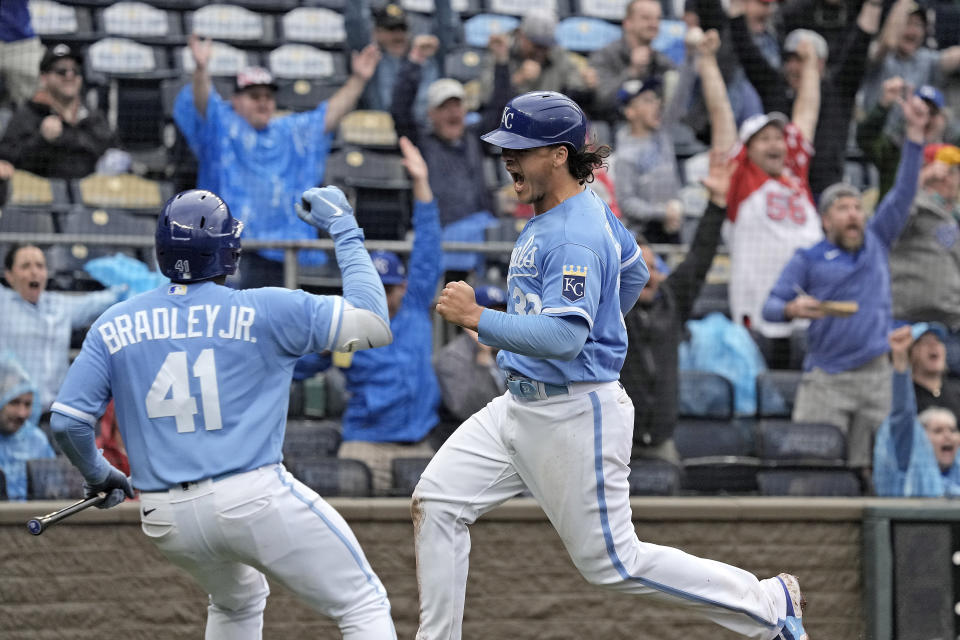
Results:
<point x="36" y="526"/>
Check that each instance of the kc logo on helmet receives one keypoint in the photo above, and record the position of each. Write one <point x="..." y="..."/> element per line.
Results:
<point x="574" y="282"/>
<point x="506" y="121"/>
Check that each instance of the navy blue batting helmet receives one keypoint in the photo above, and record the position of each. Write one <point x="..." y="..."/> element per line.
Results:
<point x="540" y="119"/>
<point x="197" y="238"/>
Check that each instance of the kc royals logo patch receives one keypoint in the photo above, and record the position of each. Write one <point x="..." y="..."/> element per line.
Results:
<point x="574" y="282"/>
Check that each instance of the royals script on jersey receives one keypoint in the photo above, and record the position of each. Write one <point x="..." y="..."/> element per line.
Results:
<point x="770" y="218"/>
<point x="201" y="375"/>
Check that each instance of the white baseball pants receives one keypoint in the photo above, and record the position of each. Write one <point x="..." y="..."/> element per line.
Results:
<point x="572" y="452"/>
<point x="227" y="534"/>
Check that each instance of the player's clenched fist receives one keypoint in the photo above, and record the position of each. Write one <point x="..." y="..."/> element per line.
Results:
<point x="327" y="209"/>
<point x="458" y="304"/>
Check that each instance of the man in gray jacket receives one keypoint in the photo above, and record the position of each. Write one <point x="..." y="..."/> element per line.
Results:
<point x="925" y="261"/>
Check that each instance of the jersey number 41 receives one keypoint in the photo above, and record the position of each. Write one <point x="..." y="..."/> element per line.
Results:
<point x="173" y="380"/>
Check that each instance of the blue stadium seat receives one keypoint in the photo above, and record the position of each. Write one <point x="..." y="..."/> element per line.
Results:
<point x="783" y="443"/>
<point x="478" y="29"/>
<point x="807" y="482"/>
<point x="53" y="479"/>
<point x="313" y="25"/>
<point x="704" y="394"/>
<point x="233" y="24"/>
<point x="406" y="474"/>
<point x="776" y="392"/>
<point x="334" y="477"/>
<point x="141" y="22"/>
<point x="60" y="22"/>
<point x="669" y="40"/>
<point x="652" y="477"/>
<point x="584" y="35"/>
<point x="311" y="439"/>
<point x="713" y="297"/>
<point x="698" y="438"/>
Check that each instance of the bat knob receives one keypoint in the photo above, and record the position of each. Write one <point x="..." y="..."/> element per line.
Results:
<point x="35" y="527"/>
<point x="305" y="204"/>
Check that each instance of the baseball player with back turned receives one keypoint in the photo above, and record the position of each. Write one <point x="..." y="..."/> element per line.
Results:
<point x="563" y="430"/>
<point x="201" y="376"/>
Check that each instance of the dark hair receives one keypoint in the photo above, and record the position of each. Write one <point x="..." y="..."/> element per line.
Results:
<point x="11" y="256"/>
<point x="588" y="159"/>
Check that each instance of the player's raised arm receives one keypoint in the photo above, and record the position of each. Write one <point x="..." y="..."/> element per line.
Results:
<point x="201" y="48"/>
<point x="365" y="323"/>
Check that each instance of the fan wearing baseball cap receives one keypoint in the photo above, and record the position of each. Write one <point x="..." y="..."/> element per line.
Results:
<point x="880" y="134"/>
<point x="769" y="207"/>
<point x="260" y="163"/>
<point x="846" y="370"/>
<point x="780" y="87"/>
<point x="54" y="134"/>
<point x="925" y="261"/>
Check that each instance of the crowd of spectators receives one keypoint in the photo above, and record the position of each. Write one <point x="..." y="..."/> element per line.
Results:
<point x="768" y="134"/>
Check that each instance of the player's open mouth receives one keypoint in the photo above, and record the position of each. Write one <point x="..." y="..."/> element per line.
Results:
<point x="33" y="284"/>
<point x="517" y="181"/>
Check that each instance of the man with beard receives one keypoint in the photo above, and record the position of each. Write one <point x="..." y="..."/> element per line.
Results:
<point x="846" y="370"/>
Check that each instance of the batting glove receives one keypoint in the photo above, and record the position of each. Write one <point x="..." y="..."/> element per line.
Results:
<point x="116" y="485"/>
<point x="327" y="209"/>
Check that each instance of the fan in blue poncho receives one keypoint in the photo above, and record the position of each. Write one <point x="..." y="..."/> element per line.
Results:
<point x="914" y="456"/>
<point x="20" y="439"/>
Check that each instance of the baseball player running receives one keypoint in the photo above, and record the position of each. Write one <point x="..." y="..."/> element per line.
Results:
<point x="563" y="430"/>
<point x="200" y="373"/>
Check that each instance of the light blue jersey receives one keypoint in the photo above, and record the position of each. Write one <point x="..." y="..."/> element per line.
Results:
<point x="201" y="376"/>
<point x="567" y="262"/>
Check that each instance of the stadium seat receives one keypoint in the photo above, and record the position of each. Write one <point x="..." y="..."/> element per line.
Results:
<point x="128" y="192"/>
<point x="704" y="394"/>
<point x="523" y="7"/>
<point x="697" y="438"/>
<point x="68" y="260"/>
<point x="465" y="64"/>
<point x="311" y="439"/>
<point x="34" y="193"/>
<point x="53" y="479"/>
<point x="110" y="58"/>
<point x="776" y="392"/>
<point x="335" y="5"/>
<point x="584" y="35"/>
<point x="313" y="25"/>
<point x="406" y="474"/>
<point x="59" y="22"/>
<point x="713" y="297"/>
<point x="613" y="10"/>
<point x="267" y="6"/>
<point x="807" y="482"/>
<point x="142" y="22"/>
<point x="233" y="24"/>
<point x="368" y="128"/>
<point x="478" y="29"/>
<point x="379" y="186"/>
<point x="334" y="477"/>
<point x="305" y="75"/>
<point x="652" y="477"/>
<point x="429" y="6"/>
<point x="783" y="443"/>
